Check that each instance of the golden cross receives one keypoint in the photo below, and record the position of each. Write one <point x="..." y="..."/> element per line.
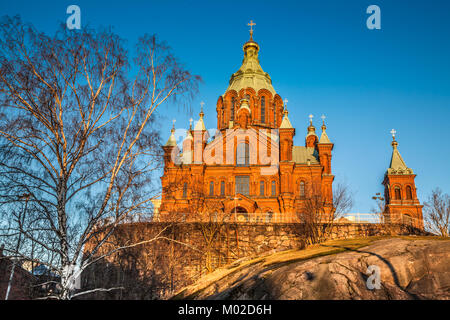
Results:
<point x="393" y="132"/>
<point x="251" y="24"/>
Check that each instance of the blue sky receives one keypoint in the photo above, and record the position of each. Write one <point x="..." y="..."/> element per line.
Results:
<point x="322" y="58"/>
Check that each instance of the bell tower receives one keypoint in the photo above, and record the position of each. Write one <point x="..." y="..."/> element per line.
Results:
<point x="402" y="204"/>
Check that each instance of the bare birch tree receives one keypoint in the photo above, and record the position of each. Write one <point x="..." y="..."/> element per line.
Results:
<point x="437" y="213"/>
<point x="77" y="134"/>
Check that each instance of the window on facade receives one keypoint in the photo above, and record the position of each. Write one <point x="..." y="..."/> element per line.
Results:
<point x="185" y="190"/>
<point x="408" y="193"/>
<point x="302" y="189"/>
<point x="274" y="188"/>
<point x="398" y="194"/>
<point x="242" y="184"/>
<point x="261" y="188"/>
<point x="222" y="188"/>
<point x="233" y="102"/>
<point x="211" y="188"/>
<point x="263" y="109"/>
<point x="243" y="154"/>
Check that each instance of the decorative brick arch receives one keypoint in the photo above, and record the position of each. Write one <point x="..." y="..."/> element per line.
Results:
<point x="267" y="95"/>
<point x="278" y="102"/>
<point x="229" y="95"/>
<point x="394" y="194"/>
<point x="220" y="113"/>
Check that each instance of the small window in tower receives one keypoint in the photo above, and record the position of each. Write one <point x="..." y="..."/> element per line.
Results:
<point x="408" y="193"/>
<point x="274" y="188"/>
<point x="302" y="189"/>
<point x="185" y="190"/>
<point x="211" y="188"/>
<point x="222" y="188"/>
<point x="261" y="188"/>
<point x="263" y="109"/>
<point x="398" y="194"/>
<point x="233" y="102"/>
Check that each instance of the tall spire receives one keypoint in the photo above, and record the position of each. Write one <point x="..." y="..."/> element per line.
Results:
<point x="200" y="125"/>
<point x="189" y="132"/>
<point x="397" y="165"/>
<point x="311" y="128"/>
<point x="324" y="137"/>
<point x="172" y="142"/>
<point x="285" y="123"/>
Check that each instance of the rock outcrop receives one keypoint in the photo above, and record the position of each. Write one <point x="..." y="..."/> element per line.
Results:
<point x="408" y="269"/>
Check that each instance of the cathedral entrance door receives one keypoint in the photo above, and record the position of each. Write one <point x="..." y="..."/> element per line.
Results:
<point x="241" y="214"/>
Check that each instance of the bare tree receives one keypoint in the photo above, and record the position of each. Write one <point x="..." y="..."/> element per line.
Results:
<point x="205" y="210"/>
<point x="437" y="213"/>
<point x="319" y="214"/>
<point x="77" y="134"/>
<point x="342" y="200"/>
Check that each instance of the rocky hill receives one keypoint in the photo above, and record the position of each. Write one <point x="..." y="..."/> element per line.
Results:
<point x="409" y="268"/>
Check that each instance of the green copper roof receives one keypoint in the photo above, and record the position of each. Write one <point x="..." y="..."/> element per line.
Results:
<point x="301" y="155"/>
<point x="397" y="165"/>
<point x="250" y="74"/>
<point x="285" y="123"/>
<point x="324" y="137"/>
<point x="172" y="142"/>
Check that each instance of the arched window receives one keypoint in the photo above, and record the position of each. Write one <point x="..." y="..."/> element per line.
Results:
<point x="261" y="188"/>
<point x="302" y="189"/>
<point x="211" y="188"/>
<point x="185" y="190"/>
<point x="274" y="188"/>
<point x="222" y="188"/>
<point x="408" y="193"/>
<point x="398" y="193"/>
<point x="233" y="102"/>
<point x="263" y="109"/>
<point x="243" y="155"/>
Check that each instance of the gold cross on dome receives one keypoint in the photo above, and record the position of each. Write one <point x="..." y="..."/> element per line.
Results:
<point x="310" y="118"/>
<point x="393" y="132"/>
<point x="201" y="105"/>
<point x="251" y="24"/>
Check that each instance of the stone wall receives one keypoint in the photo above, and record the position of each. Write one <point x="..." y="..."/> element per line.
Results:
<point x="158" y="269"/>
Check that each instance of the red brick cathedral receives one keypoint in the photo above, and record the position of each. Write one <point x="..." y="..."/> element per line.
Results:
<point x="250" y="165"/>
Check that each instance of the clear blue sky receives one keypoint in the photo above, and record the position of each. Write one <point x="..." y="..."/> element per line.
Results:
<point x="322" y="58"/>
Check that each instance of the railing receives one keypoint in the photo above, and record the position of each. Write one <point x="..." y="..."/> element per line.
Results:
<point x="277" y="217"/>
